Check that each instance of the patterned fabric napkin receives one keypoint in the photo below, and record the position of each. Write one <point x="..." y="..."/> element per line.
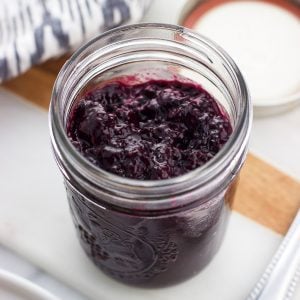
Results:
<point x="32" y="31"/>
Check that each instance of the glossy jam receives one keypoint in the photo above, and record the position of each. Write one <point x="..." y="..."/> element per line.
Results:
<point x="154" y="130"/>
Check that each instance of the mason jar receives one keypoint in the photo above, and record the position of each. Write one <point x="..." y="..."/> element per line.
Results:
<point x="152" y="232"/>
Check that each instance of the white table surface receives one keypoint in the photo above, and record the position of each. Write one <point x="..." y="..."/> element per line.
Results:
<point x="276" y="139"/>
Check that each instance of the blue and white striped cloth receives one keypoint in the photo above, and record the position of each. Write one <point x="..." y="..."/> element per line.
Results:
<point x="32" y="31"/>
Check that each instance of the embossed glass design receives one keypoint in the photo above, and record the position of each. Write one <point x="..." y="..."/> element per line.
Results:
<point x="152" y="233"/>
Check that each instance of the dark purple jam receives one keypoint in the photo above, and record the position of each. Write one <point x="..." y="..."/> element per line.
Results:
<point x="153" y="130"/>
<point x="152" y="250"/>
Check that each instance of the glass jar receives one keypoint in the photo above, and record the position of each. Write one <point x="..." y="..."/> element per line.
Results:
<point x="151" y="232"/>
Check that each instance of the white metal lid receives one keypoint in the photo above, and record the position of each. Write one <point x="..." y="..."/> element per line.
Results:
<point x="263" y="37"/>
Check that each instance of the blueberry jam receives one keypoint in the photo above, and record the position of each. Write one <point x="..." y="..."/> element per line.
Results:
<point x="151" y="249"/>
<point x="153" y="130"/>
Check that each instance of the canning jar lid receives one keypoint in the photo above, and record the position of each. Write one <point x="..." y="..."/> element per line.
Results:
<point x="263" y="37"/>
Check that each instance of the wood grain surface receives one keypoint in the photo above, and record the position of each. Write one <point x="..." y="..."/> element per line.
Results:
<point x="265" y="194"/>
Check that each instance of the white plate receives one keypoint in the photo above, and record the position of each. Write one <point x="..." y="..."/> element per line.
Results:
<point x="13" y="287"/>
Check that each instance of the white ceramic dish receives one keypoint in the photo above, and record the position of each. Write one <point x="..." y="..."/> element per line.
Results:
<point x="14" y="287"/>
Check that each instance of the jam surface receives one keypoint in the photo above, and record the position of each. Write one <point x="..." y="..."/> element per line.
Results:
<point x="153" y="130"/>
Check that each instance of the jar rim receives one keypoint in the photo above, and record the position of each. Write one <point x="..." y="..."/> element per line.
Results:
<point x="236" y="144"/>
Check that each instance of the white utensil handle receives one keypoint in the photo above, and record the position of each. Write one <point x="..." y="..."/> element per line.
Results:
<point x="276" y="280"/>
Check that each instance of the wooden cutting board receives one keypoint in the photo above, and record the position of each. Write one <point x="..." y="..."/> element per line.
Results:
<point x="265" y="194"/>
